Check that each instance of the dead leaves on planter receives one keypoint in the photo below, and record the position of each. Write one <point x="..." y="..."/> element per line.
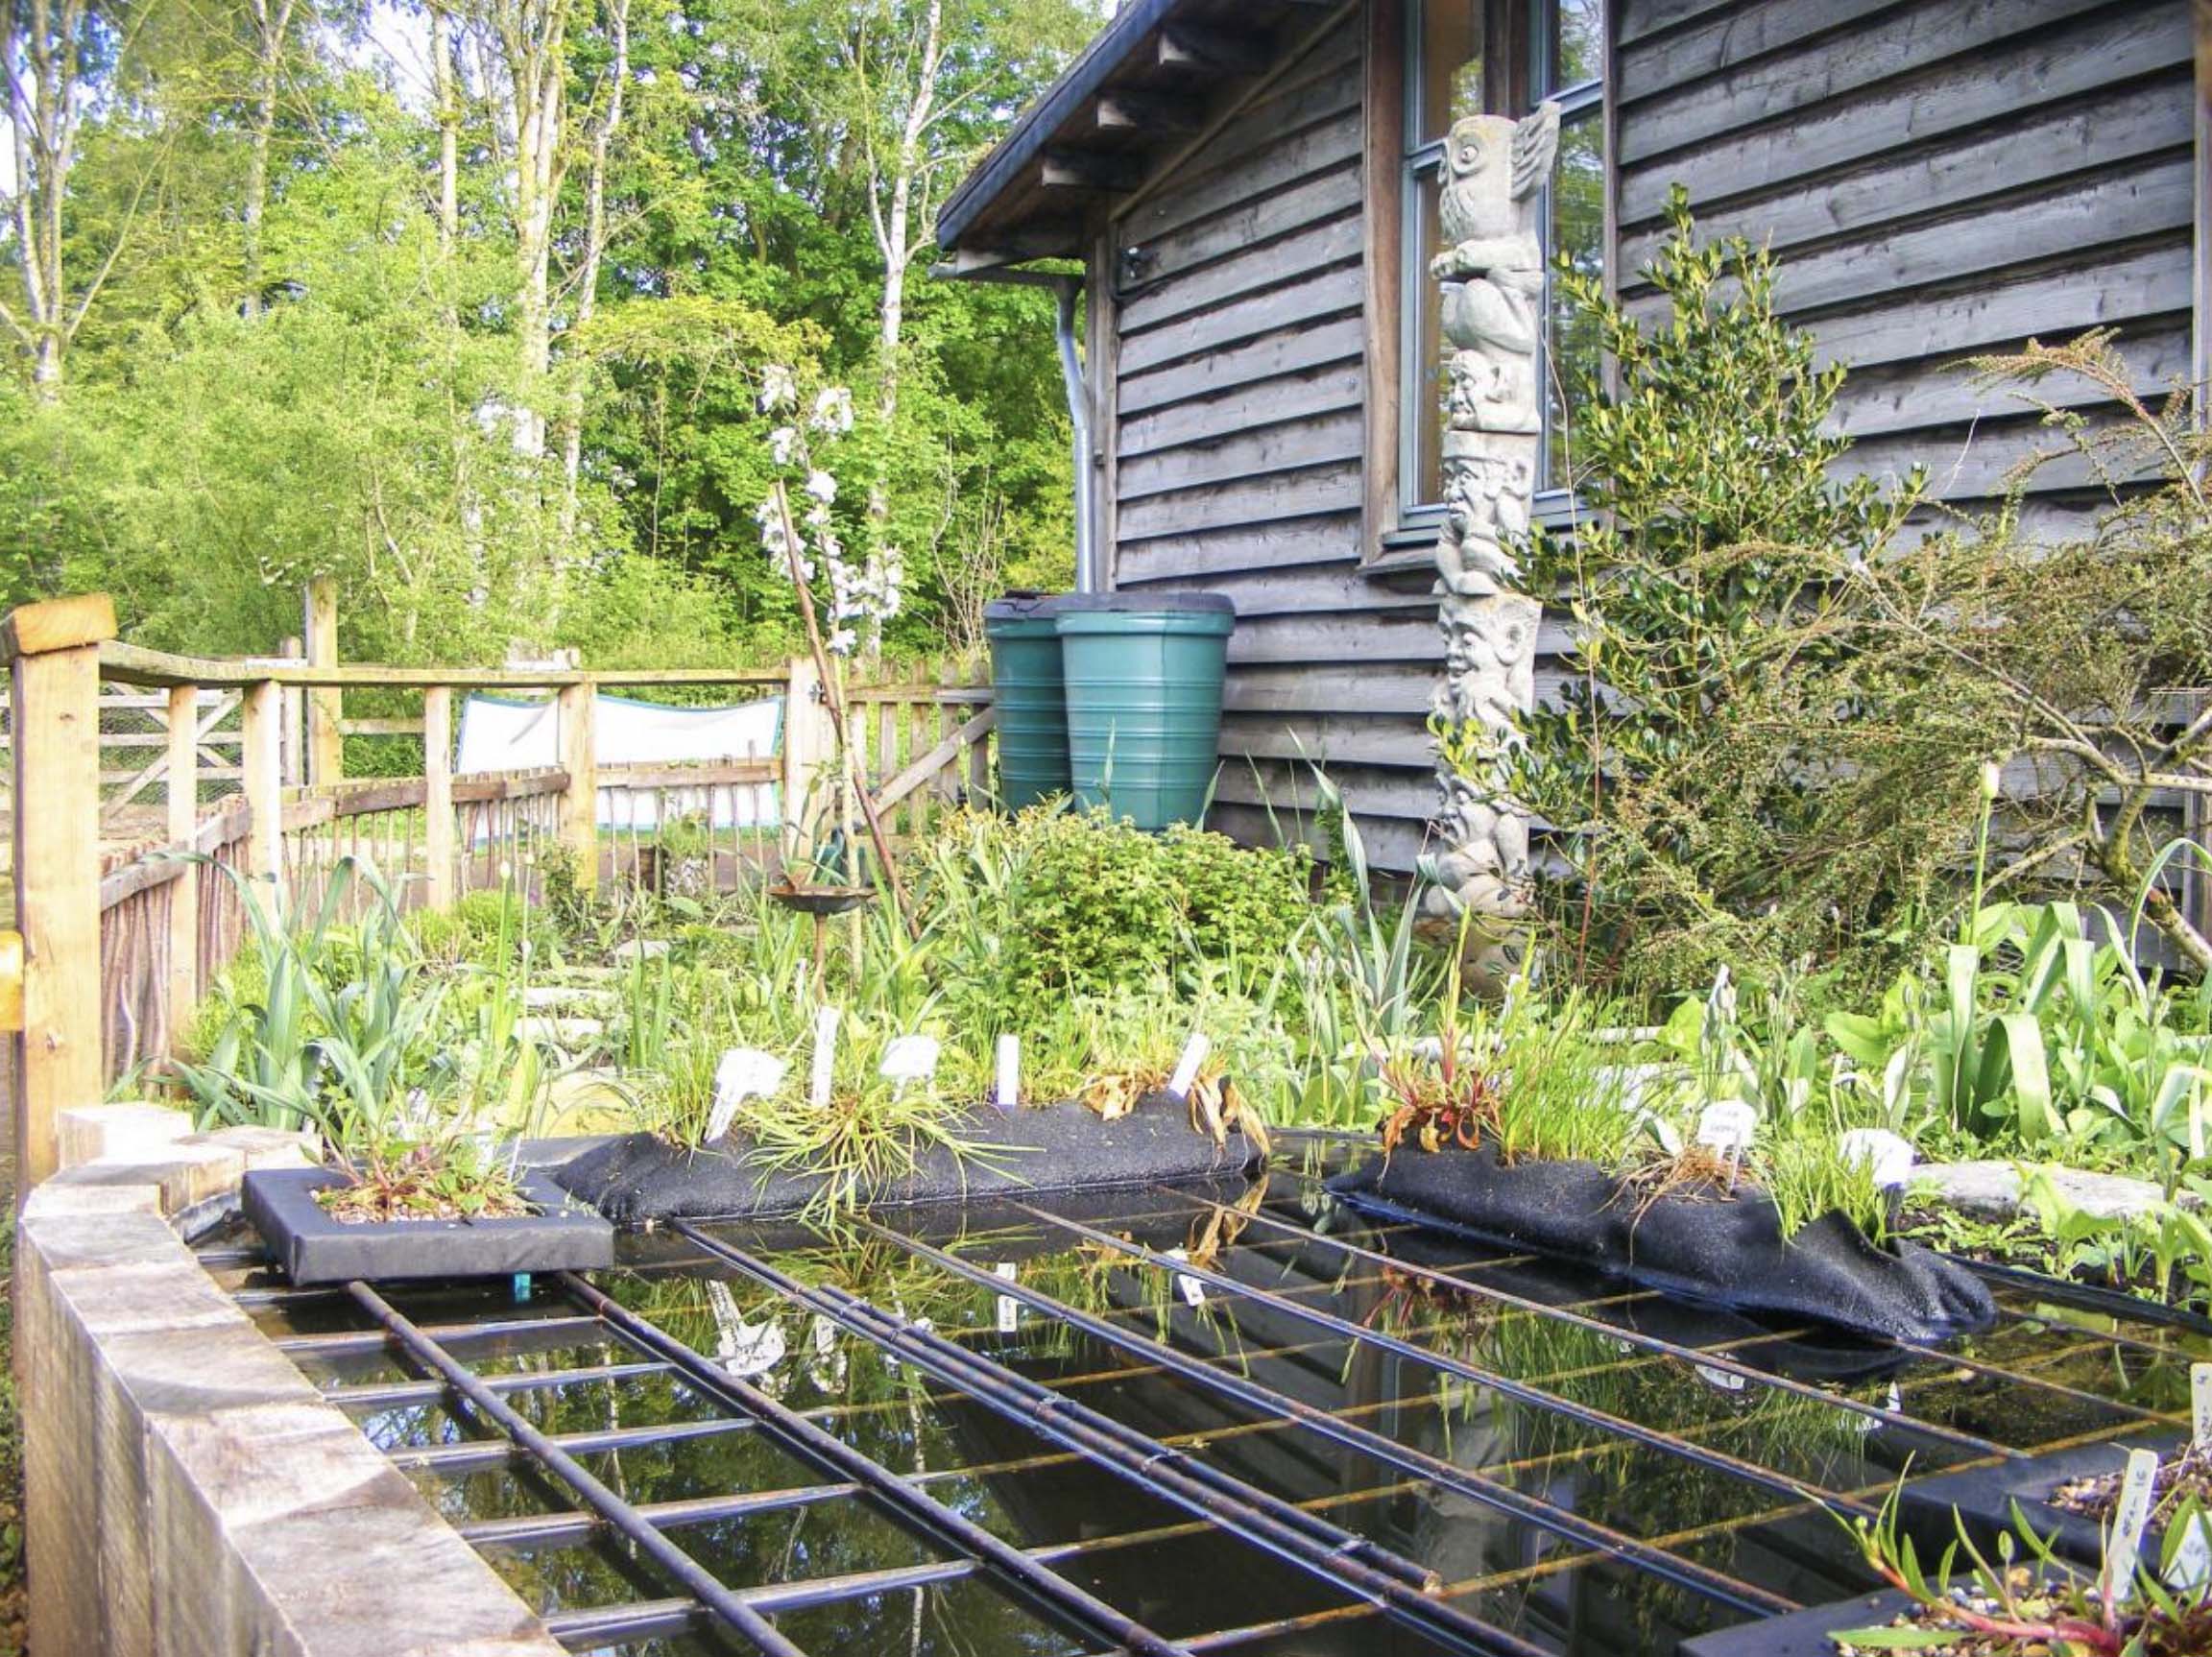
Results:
<point x="1217" y="1107"/>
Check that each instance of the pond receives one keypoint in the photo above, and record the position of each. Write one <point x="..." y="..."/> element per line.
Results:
<point x="1203" y="1419"/>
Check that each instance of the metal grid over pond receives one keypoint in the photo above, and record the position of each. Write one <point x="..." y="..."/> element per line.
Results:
<point x="1173" y="1420"/>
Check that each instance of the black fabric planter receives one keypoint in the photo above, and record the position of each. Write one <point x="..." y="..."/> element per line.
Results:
<point x="1728" y="1251"/>
<point x="1807" y="1633"/>
<point x="314" y="1248"/>
<point x="1817" y="1356"/>
<point x="1980" y="1498"/>
<point x="1057" y="1147"/>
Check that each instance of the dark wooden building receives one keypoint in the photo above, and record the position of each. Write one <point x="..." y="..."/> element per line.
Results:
<point x="1250" y="187"/>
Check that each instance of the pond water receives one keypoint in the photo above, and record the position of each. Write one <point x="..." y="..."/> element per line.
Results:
<point x="1577" y="1466"/>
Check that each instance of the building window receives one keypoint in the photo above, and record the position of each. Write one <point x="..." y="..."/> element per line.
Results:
<point x="1464" y="57"/>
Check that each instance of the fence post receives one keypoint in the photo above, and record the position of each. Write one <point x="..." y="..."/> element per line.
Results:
<point x="326" y="705"/>
<point x="808" y="745"/>
<point x="261" y="756"/>
<point x="54" y="654"/>
<point x="580" y="803"/>
<point x="293" y="742"/>
<point x="438" y="793"/>
<point x="184" y="823"/>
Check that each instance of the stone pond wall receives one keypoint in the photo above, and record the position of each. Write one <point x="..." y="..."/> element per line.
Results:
<point x="187" y="1490"/>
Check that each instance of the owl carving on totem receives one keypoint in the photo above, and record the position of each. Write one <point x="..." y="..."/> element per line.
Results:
<point x="1492" y="272"/>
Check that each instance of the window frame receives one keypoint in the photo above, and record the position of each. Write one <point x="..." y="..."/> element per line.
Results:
<point x="1519" y="40"/>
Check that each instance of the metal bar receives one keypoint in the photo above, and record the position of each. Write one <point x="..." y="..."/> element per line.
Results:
<point x="595" y="1627"/>
<point x="574" y="1525"/>
<point x="2087" y="1295"/>
<point x="693" y="1577"/>
<point x="388" y="1394"/>
<point x="443" y="1334"/>
<point x="1042" y="1587"/>
<point x="2024" y="1378"/>
<point x="1637" y="1337"/>
<point x="475" y="1454"/>
<point x="1702" y="1579"/>
<point x="1505" y="1387"/>
<point x="1338" y="1557"/>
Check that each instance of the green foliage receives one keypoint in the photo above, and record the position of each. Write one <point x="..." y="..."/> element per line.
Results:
<point x="2024" y="1600"/>
<point x="2029" y="1033"/>
<point x="336" y="389"/>
<point x="1054" y="901"/>
<point x="1704" y="466"/>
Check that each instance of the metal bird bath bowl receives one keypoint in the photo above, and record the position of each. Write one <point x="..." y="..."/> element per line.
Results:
<point x="821" y="902"/>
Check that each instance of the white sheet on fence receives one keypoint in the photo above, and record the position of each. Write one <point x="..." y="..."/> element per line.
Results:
<point x="499" y="734"/>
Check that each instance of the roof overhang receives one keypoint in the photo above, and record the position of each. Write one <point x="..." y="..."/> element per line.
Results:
<point x="1144" y="88"/>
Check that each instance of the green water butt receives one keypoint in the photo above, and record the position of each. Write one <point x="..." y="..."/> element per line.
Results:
<point x="1025" y="688"/>
<point x="1142" y="675"/>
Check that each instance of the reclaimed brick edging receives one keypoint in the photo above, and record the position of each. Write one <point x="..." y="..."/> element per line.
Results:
<point x="187" y="1490"/>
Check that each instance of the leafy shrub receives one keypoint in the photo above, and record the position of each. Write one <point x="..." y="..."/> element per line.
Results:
<point x="1692" y="831"/>
<point x="1057" y="902"/>
<point x="476" y="925"/>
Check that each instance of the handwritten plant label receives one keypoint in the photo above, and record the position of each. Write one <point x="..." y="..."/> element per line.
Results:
<point x="1194" y="1053"/>
<point x="1727" y="1380"/>
<point x="825" y="1056"/>
<point x="909" y="1059"/>
<point x="746" y="1350"/>
<point x="1888" y="1155"/>
<point x="1009" y="1072"/>
<point x="744" y="1072"/>
<point x="1193" y="1291"/>
<point x="1009" y="1308"/>
<point x="2201" y="1403"/>
<point x="1726" y="1126"/>
<point x="2190" y="1565"/>
<point x="2130" y="1517"/>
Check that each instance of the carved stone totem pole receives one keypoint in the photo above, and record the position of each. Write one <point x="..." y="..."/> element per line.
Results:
<point x="1492" y="275"/>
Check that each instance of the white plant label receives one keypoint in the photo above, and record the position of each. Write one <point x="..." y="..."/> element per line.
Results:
<point x="2130" y="1517"/>
<point x="1194" y="1053"/>
<point x="910" y="1059"/>
<point x="825" y="1056"/>
<point x="2191" y="1567"/>
<point x="1009" y="1308"/>
<point x="746" y="1350"/>
<point x="1727" y="1380"/>
<point x="1726" y="1126"/>
<point x="1888" y="1155"/>
<point x="1193" y="1291"/>
<point x="744" y="1072"/>
<point x="2201" y="1403"/>
<point x="1009" y="1072"/>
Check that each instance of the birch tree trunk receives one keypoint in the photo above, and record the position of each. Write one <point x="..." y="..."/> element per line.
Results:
<point x="272" y="28"/>
<point x="586" y="278"/>
<point x="898" y="237"/>
<point x="532" y="40"/>
<point x="41" y="50"/>
<point x="445" y="90"/>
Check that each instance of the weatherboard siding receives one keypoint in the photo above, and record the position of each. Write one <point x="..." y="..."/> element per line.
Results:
<point x="1238" y="407"/>
<point x="1942" y="177"/>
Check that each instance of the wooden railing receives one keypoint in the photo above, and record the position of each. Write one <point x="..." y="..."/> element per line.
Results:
<point x="122" y="936"/>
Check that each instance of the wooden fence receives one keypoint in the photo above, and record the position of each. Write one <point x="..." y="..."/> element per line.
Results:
<point x="130" y="890"/>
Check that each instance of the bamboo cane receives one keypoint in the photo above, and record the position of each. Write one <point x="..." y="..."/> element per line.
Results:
<point x="833" y="695"/>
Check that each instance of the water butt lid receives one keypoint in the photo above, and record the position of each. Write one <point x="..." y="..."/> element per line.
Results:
<point x="1025" y="607"/>
<point x="1183" y="602"/>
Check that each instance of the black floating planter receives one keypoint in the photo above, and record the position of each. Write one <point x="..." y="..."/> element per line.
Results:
<point x="1980" y="1498"/>
<point x="1037" y="1148"/>
<point x="314" y="1248"/>
<point x="1808" y="1633"/>
<point x="1724" y="1251"/>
